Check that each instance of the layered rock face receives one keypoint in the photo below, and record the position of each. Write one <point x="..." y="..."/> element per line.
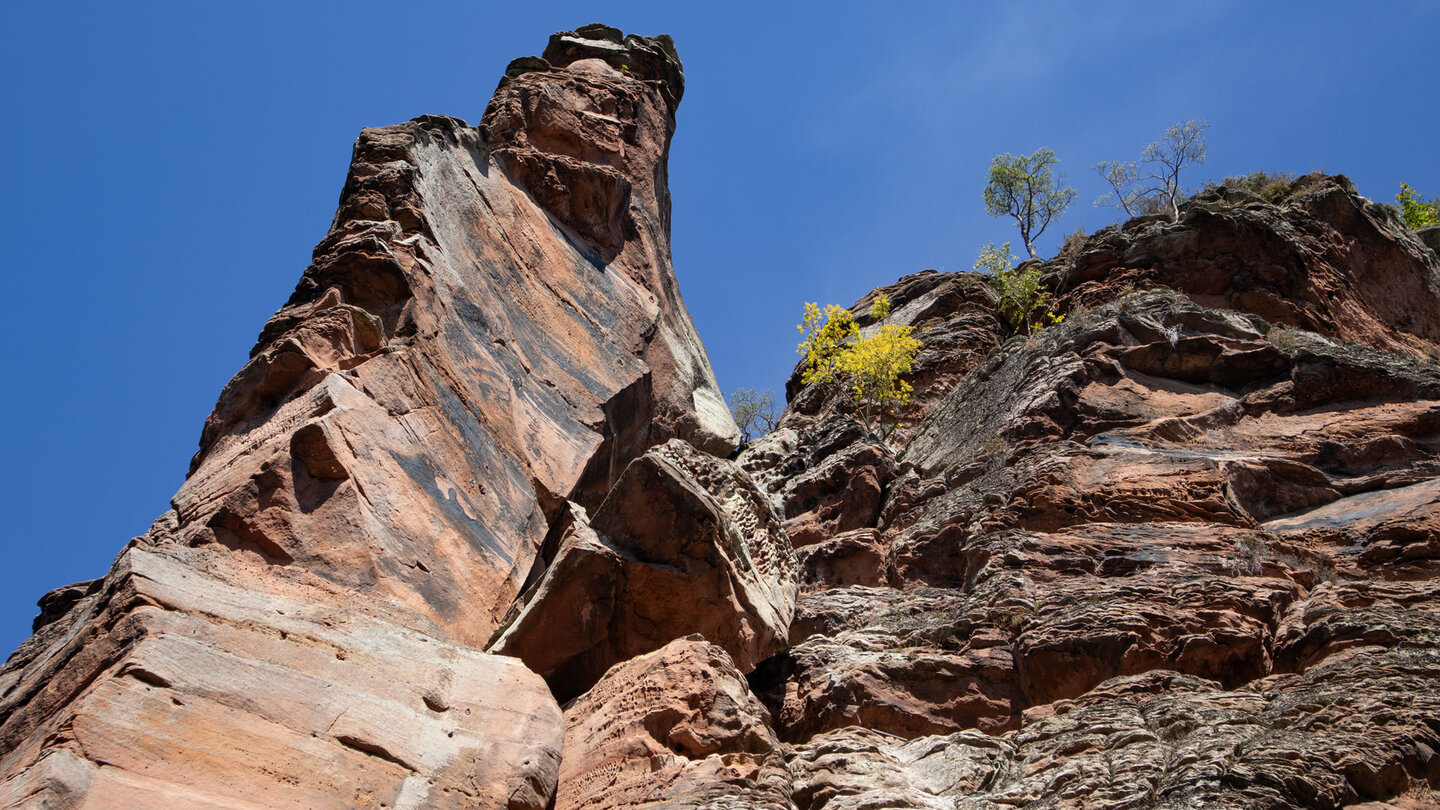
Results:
<point x="1179" y="551"/>
<point x="490" y="332"/>
<point x="1182" y="550"/>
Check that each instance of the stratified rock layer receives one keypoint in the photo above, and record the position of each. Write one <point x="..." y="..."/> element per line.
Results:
<point x="491" y="328"/>
<point x="178" y="690"/>
<point x="1178" y="551"/>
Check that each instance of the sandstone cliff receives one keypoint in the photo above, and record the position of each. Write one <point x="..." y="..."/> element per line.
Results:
<point x="1178" y="551"/>
<point x="488" y="336"/>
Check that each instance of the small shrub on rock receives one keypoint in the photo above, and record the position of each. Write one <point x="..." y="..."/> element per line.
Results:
<point x="1024" y="300"/>
<point x="1417" y="213"/>
<point x="1074" y="243"/>
<point x="1273" y="187"/>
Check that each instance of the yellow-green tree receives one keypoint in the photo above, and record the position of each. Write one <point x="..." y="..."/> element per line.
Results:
<point x="869" y="367"/>
<point x="827" y="334"/>
<point x="1418" y="213"/>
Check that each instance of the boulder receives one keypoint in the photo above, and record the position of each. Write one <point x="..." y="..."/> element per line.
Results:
<point x="684" y="544"/>
<point x="171" y="688"/>
<point x="676" y="727"/>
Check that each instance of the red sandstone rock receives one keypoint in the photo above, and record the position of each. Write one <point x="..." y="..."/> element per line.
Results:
<point x="858" y="768"/>
<point x="490" y="328"/>
<point x="459" y="359"/>
<point x="1326" y="260"/>
<point x="675" y="728"/>
<point x="169" y="688"/>
<point x="685" y="543"/>
<point x="1126" y="516"/>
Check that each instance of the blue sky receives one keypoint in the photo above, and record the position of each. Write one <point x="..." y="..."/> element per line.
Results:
<point x="170" y="166"/>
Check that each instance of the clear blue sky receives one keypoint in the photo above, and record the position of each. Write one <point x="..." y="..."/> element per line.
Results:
<point x="170" y="165"/>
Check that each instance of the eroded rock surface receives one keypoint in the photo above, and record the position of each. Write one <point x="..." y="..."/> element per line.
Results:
<point x="684" y="544"/>
<point x="169" y="688"/>
<point x="1326" y="260"/>
<point x="1177" y="551"/>
<point x="462" y="355"/>
<point x="677" y="727"/>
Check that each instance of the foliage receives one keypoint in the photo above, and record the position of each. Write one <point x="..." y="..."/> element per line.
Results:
<point x="1023" y="187"/>
<point x="1024" y="300"/>
<point x="1417" y="213"/>
<point x="827" y="334"/>
<point x="1152" y="184"/>
<point x="995" y="261"/>
<point x="869" y="367"/>
<point x="754" y="411"/>
<point x="1273" y="187"/>
<point x="880" y="307"/>
<point x="1074" y="243"/>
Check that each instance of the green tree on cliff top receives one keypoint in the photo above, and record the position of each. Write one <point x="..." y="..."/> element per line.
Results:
<point x="1024" y="188"/>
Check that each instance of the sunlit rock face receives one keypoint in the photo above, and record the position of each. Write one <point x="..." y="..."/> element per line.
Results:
<point x="677" y="727"/>
<point x="491" y="328"/>
<point x="1180" y="550"/>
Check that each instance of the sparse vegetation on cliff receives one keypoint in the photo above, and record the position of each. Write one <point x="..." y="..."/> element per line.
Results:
<point x="1152" y="184"/>
<point x="1272" y="187"/>
<point x="1024" y="300"/>
<point x="1024" y="188"/>
<point x="870" y="367"/>
<point x="1417" y="213"/>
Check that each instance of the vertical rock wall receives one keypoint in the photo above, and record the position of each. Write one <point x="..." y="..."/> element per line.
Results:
<point x="491" y="328"/>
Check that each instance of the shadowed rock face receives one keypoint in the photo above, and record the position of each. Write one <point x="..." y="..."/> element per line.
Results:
<point x="491" y="328"/>
<point x="684" y="543"/>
